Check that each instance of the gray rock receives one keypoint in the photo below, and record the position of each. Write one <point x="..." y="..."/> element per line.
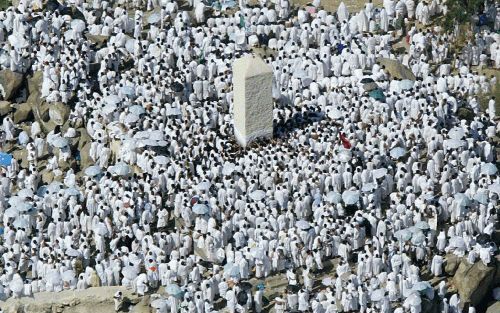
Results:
<point x="494" y="308"/>
<point x="58" y="113"/>
<point x="452" y="262"/>
<point x="22" y="112"/>
<point x="5" y="108"/>
<point x="10" y="83"/>
<point x="473" y="281"/>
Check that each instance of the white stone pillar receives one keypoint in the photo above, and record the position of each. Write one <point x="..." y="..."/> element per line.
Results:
<point x="253" y="101"/>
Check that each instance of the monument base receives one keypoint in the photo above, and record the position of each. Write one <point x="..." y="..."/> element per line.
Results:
<point x="245" y="140"/>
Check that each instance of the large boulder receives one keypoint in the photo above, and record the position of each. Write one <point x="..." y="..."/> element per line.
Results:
<point x="494" y="308"/>
<point x="22" y="113"/>
<point x="58" y="113"/>
<point x="451" y="265"/>
<point x="473" y="281"/>
<point x="10" y="83"/>
<point x="5" y="108"/>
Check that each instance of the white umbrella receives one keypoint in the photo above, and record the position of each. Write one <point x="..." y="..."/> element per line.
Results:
<point x="18" y="42"/>
<point x="16" y="285"/>
<point x="154" y="18"/>
<point x="454" y="143"/>
<point x="93" y="170"/>
<point x="406" y="84"/>
<point x="350" y="197"/>
<point x="174" y="290"/>
<point x="335" y="114"/>
<point x="258" y="195"/>
<point x="131" y="118"/>
<point x="462" y="199"/>
<point x="136" y="110"/>
<point x="54" y="187"/>
<point x="129" y="272"/>
<point x="456" y="133"/>
<point x="422" y="225"/>
<point x="368" y="187"/>
<point x="121" y="169"/>
<point x="303" y="224"/>
<point x="204" y="185"/>
<point x="161" y="159"/>
<point x="108" y="108"/>
<point x="378" y="173"/>
<point x="495" y="188"/>
<point x="489" y="169"/>
<point x="333" y="197"/>
<point x="156" y="135"/>
<point x="72" y="252"/>
<point x="11" y="212"/>
<point x="60" y="142"/>
<point x="112" y="100"/>
<point x="418" y="238"/>
<point x="68" y="275"/>
<point x="128" y="91"/>
<point x="481" y="197"/>
<point x="25" y="193"/>
<point x="21" y="223"/>
<point x="200" y="209"/>
<point x="403" y="234"/>
<point x="397" y="152"/>
<point x="345" y="155"/>
<point x="174" y="111"/>
<point x="327" y="281"/>
<point x="413" y="300"/>
<point x="22" y="206"/>
<point x="228" y="168"/>
<point x="129" y="45"/>
<point x="54" y="277"/>
<point x="158" y="303"/>
<point x="154" y="51"/>
<point x="78" y="25"/>
<point x="377" y="295"/>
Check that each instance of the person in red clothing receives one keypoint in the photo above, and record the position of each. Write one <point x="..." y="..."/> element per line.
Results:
<point x="345" y="142"/>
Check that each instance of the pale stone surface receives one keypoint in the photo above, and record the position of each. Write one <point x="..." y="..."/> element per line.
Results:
<point x="253" y="103"/>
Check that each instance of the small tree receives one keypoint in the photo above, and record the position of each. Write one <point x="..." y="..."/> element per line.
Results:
<point x="460" y="12"/>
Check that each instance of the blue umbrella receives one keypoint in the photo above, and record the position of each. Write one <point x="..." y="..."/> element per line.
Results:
<point x="5" y="159"/>
<point x="462" y="199"/>
<point x="154" y="18"/>
<point x="333" y="197"/>
<point x="174" y="290"/>
<point x="489" y="169"/>
<point x="481" y="197"/>
<point x="398" y="152"/>
<point x="422" y="225"/>
<point x="136" y="110"/>
<point x="128" y="91"/>
<point x="72" y="192"/>
<point x="200" y="209"/>
<point x="403" y="234"/>
<point x="350" y="197"/>
<point x="377" y="94"/>
<point x="303" y="224"/>
<point x="93" y="170"/>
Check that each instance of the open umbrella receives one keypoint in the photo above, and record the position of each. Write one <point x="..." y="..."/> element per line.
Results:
<point x="377" y="295"/>
<point x="406" y="84"/>
<point x="453" y="143"/>
<point x="377" y="94"/>
<point x="11" y="212"/>
<point x="495" y="188"/>
<point x="177" y="87"/>
<point x="422" y="225"/>
<point x="327" y="281"/>
<point x="21" y="223"/>
<point x="136" y="110"/>
<point x="78" y="25"/>
<point x="303" y="224"/>
<point x="108" y="108"/>
<point x="418" y="238"/>
<point x="174" y="111"/>
<point x="68" y="275"/>
<point x="131" y="118"/>
<point x="456" y="133"/>
<point x="489" y="169"/>
<point x="18" y="42"/>
<point x="93" y="170"/>
<point x="481" y="197"/>
<point x="112" y="100"/>
<point x="333" y="197"/>
<point x="397" y="152"/>
<point x="121" y="169"/>
<point x="462" y="199"/>
<point x="379" y="173"/>
<point x="228" y="168"/>
<point x="60" y="142"/>
<point x="161" y="159"/>
<point x="204" y="186"/>
<point x="25" y="193"/>
<point x="370" y="86"/>
<point x="350" y="197"/>
<point x="345" y="155"/>
<point x="200" y="209"/>
<point x="483" y="239"/>
<point x="366" y="80"/>
<point x="368" y="187"/>
<point x="335" y="114"/>
<point x="258" y="195"/>
<point x="129" y="272"/>
<point x="5" y="159"/>
<point x="158" y="303"/>
<point x="174" y="290"/>
<point x="413" y="299"/>
<point x="128" y="91"/>
<point x="293" y="288"/>
<point x="154" y="18"/>
<point x="403" y="234"/>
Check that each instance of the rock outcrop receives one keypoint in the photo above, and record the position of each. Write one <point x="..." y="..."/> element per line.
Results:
<point x="451" y="265"/>
<point x="5" y="108"/>
<point x="10" y="83"/>
<point x="474" y="281"/>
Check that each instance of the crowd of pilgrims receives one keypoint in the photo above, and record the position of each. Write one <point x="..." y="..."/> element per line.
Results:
<point x="382" y="187"/>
